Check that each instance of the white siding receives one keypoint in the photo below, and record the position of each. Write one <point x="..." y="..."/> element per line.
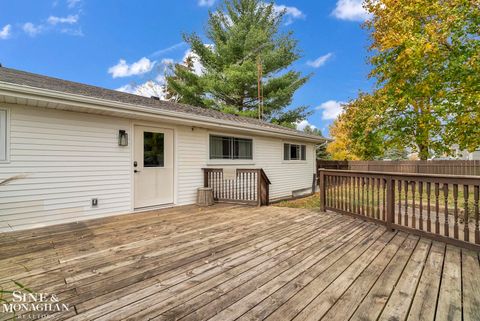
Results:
<point x="285" y="176"/>
<point x="65" y="159"/>
<point x="191" y="155"/>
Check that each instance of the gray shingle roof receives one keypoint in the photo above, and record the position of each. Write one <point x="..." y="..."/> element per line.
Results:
<point x="23" y="78"/>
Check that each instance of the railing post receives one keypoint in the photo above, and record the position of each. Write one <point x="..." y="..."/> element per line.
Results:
<point x="322" y="189"/>
<point x="205" y="177"/>
<point x="390" y="202"/>
<point x="259" y="190"/>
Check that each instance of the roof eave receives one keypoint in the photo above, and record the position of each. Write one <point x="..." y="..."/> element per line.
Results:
<point x="29" y="92"/>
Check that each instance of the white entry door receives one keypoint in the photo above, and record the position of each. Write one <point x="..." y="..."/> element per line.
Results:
<point x="153" y="166"/>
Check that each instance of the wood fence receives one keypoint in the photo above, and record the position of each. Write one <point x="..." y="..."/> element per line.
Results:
<point x="448" y="167"/>
<point x="249" y="186"/>
<point x="443" y="207"/>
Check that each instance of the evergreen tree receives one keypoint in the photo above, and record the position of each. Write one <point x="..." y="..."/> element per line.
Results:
<point x="179" y="74"/>
<point x="245" y="42"/>
<point x="321" y="149"/>
<point x="312" y="130"/>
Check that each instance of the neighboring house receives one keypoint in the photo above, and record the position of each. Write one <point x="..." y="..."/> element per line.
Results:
<point x="466" y="155"/>
<point x="64" y="140"/>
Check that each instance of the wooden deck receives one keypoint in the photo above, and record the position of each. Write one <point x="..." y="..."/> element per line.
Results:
<point x="242" y="263"/>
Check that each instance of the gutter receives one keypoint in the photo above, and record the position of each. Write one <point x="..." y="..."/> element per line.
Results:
<point x="28" y="92"/>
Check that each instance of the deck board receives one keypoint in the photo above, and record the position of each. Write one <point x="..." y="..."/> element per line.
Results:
<point x="230" y="262"/>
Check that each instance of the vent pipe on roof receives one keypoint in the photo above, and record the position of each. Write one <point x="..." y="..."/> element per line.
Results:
<point x="155" y="97"/>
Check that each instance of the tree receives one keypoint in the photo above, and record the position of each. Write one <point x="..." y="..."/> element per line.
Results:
<point x="312" y="130"/>
<point x="425" y="59"/>
<point x="321" y="149"/>
<point x="357" y="132"/>
<point x="340" y="148"/>
<point x="179" y="78"/>
<point x="245" y="41"/>
<point x="395" y="154"/>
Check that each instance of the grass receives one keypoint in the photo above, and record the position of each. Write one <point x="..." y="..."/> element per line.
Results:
<point x="310" y="202"/>
<point x="313" y="201"/>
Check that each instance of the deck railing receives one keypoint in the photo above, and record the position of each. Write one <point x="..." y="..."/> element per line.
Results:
<point x="250" y="186"/>
<point x="440" y="167"/>
<point x="443" y="207"/>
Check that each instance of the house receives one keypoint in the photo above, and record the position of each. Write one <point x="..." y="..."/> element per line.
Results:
<point x="464" y="154"/>
<point x="75" y="152"/>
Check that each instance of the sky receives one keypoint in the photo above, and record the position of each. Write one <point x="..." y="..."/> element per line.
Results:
<point x="125" y="45"/>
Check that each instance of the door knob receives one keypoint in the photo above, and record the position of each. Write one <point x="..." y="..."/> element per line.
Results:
<point x="135" y="171"/>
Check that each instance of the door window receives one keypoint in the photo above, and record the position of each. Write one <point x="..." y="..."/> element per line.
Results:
<point x="153" y="149"/>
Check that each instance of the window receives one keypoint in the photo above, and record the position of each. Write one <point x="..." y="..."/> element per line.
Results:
<point x="3" y="135"/>
<point x="153" y="149"/>
<point x="224" y="147"/>
<point x="294" y="152"/>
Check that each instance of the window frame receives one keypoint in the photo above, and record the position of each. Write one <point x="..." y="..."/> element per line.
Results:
<point x="7" y="135"/>
<point x="301" y="150"/>
<point x="232" y="147"/>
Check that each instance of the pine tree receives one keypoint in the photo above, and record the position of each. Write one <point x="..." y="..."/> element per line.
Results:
<point x="245" y="39"/>
<point x="312" y="130"/>
<point x="179" y="72"/>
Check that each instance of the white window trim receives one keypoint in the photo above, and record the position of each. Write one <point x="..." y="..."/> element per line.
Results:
<point x="237" y="162"/>
<point x="7" y="137"/>
<point x="294" y="161"/>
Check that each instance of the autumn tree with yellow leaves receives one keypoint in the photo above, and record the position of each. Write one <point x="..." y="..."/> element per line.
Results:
<point x="356" y="131"/>
<point x="425" y="57"/>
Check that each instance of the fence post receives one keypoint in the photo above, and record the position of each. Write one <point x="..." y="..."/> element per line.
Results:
<point x="322" y="189"/>
<point x="390" y="202"/>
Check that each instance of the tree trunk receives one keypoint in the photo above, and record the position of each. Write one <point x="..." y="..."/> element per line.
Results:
<point x="423" y="152"/>
<point x="422" y="133"/>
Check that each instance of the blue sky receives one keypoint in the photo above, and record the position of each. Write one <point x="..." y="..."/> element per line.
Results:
<point x="124" y="44"/>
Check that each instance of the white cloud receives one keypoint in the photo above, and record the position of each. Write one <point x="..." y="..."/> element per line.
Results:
<point x="147" y="89"/>
<point x="206" y="3"/>
<point x="304" y="123"/>
<point x="66" y="25"/>
<point x="122" y="69"/>
<point x="72" y="32"/>
<point x="320" y="61"/>
<point x="168" y="49"/>
<point x="71" y="19"/>
<point x="167" y="61"/>
<point x="5" y="32"/>
<point x="31" y="29"/>
<point x="350" y="10"/>
<point x="73" y="3"/>
<point x="197" y="65"/>
<point x="291" y="13"/>
<point x="160" y="79"/>
<point x="331" y="109"/>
